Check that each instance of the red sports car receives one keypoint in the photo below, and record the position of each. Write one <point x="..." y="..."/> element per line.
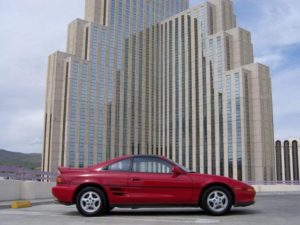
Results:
<point x="147" y="181"/>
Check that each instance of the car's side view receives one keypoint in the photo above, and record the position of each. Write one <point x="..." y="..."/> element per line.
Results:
<point x="147" y="181"/>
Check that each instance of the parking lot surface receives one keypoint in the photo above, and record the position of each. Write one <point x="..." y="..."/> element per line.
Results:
<point x="269" y="209"/>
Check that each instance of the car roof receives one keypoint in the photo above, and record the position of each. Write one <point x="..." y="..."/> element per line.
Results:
<point x="154" y="156"/>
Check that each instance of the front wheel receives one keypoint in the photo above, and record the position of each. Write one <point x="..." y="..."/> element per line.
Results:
<point x="217" y="200"/>
<point x="91" y="201"/>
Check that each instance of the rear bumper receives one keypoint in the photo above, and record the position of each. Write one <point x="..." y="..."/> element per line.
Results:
<point x="64" y="193"/>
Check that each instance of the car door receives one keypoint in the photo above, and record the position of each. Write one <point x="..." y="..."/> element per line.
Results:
<point x="152" y="182"/>
<point x="114" y="178"/>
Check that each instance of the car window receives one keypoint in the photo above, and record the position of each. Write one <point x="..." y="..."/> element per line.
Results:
<point x="151" y="165"/>
<point x="123" y="165"/>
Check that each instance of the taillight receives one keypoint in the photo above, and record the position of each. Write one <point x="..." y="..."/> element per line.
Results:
<point x="59" y="180"/>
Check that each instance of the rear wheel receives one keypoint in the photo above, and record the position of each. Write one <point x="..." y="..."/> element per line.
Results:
<point x="91" y="201"/>
<point x="217" y="200"/>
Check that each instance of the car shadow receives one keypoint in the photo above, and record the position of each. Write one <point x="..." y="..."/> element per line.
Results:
<point x="244" y="212"/>
<point x="167" y="212"/>
<point x="175" y="212"/>
<point x="152" y="212"/>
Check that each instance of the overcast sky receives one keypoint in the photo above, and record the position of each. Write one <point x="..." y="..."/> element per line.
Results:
<point x="32" y="29"/>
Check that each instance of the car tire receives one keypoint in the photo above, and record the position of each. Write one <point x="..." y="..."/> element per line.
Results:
<point x="91" y="201"/>
<point x="217" y="200"/>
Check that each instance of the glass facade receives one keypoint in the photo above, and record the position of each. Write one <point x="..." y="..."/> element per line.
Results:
<point x="170" y="89"/>
<point x="83" y="105"/>
<point x="190" y="88"/>
<point x="220" y="103"/>
<point x="177" y="89"/>
<point x="73" y="114"/>
<point x="101" y="91"/>
<point x="183" y="64"/>
<point x="197" y="94"/>
<point x="203" y="19"/>
<point x="238" y="125"/>
<point x="229" y="125"/>
<point x="212" y="105"/>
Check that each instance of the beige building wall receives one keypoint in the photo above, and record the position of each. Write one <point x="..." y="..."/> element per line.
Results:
<point x="96" y="11"/>
<point x="53" y="111"/>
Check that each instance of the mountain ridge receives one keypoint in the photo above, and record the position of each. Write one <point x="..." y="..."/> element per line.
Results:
<point x="24" y="160"/>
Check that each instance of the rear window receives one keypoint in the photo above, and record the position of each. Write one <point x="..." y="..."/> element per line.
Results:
<point x="123" y="165"/>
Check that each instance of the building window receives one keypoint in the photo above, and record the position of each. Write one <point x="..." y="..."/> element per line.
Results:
<point x="295" y="160"/>
<point x="177" y="90"/>
<point x="278" y="160"/>
<point x="238" y="126"/>
<point x="73" y="115"/>
<point x="170" y="89"/>
<point x="86" y="43"/>
<point x="183" y="89"/>
<point x="229" y="126"/>
<point x="211" y="20"/>
<point x="220" y="100"/>
<point x="228" y="53"/>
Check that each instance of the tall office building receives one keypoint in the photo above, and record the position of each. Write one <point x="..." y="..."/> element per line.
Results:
<point x="154" y="77"/>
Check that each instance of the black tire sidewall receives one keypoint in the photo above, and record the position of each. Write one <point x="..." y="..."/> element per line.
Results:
<point x="102" y="208"/>
<point x="205" y="196"/>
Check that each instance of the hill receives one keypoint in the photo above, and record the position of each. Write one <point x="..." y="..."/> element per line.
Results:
<point x="30" y="161"/>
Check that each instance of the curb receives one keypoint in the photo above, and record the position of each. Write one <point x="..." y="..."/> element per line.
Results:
<point x="20" y="204"/>
<point x="7" y="205"/>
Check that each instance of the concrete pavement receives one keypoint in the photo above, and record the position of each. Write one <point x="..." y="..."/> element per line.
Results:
<point x="269" y="209"/>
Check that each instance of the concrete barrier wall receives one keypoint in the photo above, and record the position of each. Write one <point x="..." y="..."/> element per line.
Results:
<point x="277" y="188"/>
<point x="24" y="190"/>
<point x="28" y="190"/>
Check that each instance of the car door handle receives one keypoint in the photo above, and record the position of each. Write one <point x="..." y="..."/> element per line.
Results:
<point x="135" y="179"/>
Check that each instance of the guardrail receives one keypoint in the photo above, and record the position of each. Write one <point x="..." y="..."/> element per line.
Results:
<point x="285" y="182"/>
<point x="17" y="173"/>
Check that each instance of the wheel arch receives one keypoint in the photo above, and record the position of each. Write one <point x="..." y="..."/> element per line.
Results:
<point x="207" y="186"/>
<point x="90" y="184"/>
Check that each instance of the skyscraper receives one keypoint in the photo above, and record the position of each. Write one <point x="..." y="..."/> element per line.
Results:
<point x="154" y="77"/>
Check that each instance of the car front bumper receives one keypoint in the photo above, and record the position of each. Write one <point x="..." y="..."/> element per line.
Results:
<point x="244" y="197"/>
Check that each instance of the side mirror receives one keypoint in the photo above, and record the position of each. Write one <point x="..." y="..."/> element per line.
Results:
<point x="176" y="171"/>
